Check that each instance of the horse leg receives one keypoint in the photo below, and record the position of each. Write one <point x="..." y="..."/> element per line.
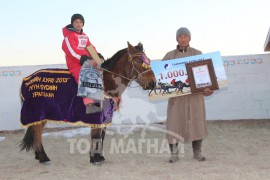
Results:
<point x="103" y="136"/>
<point x="164" y="89"/>
<point x="97" y="138"/>
<point x="155" y="90"/>
<point x="150" y="92"/>
<point x="184" y="85"/>
<point x="177" y="90"/>
<point x="168" y="90"/>
<point x="32" y="140"/>
<point x="117" y="101"/>
<point x="39" y="150"/>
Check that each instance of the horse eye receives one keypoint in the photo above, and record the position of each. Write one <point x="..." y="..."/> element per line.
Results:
<point x="139" y="61"/>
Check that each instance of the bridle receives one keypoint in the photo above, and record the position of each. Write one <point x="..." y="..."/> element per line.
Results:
<point x="139" y="74"/>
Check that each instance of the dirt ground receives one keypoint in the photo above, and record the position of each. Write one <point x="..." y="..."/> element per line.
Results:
<point x="233" y="149"/>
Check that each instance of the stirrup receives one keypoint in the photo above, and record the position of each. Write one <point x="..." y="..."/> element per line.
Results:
<point x="92" y="108"/>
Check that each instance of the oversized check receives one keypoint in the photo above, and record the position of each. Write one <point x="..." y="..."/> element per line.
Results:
<point x="172" y="79"/>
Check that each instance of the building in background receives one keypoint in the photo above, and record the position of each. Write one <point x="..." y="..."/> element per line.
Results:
<point x="267" y="42"/>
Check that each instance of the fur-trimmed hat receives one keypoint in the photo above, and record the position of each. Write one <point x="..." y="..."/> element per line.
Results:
<point x="183" y="31"/>
<point x="77" y="16"/>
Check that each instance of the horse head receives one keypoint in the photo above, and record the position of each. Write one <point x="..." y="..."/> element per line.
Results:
<point x="141" y="71"/>
<point x="129" y="64"/>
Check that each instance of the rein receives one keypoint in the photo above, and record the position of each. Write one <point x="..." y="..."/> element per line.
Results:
<point x="133" y="68"/>
<point x="116" y="74"/>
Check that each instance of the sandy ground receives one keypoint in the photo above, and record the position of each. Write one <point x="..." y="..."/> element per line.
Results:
<point x="234" y="150"/>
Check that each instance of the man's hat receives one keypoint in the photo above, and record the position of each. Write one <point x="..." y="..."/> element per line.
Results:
<point x="183" y="31"/>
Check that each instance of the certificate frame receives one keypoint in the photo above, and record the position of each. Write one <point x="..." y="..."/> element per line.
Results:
<point x="201" y="75"/>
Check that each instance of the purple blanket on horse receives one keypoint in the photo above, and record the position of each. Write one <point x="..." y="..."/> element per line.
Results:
<point x="51" y="95"/>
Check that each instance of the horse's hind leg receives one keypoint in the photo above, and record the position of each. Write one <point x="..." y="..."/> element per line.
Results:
<point x="103" y="133"/>
<point x="150" y="92"/>
<point x="33" y="140"/>
<point x="39" y="150"/>
<point x="97" y="137"/>
<point x="163" y="91"/>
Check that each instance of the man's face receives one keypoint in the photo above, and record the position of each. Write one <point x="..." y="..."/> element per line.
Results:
<point x="78" y="25"/>
<point x="183" y="40"/>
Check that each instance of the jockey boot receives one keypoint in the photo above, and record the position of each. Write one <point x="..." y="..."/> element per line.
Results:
<point x="92" y="108"/>
<point x="197" y="145"/>
<point x="174" y="153"/>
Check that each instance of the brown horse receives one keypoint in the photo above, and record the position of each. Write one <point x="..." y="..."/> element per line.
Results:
<point x="129" y="64"/>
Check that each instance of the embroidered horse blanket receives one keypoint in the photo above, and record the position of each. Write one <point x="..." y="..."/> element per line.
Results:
<point x="51" y="95"/>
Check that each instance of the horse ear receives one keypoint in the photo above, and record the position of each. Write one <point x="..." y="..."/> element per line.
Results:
<point x="131" y="49"/>
<point x="128" y="43"/>
<point x="140" y="45"/>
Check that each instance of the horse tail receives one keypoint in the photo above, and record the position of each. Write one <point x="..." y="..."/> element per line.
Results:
<point x="27" y="142"/>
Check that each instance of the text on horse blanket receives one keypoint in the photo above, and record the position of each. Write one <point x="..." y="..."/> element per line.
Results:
<point x="51" y="95"/>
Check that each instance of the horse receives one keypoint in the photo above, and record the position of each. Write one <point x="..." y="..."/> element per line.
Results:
<point x="127" y="65"/>
<point x="180" y="86"/>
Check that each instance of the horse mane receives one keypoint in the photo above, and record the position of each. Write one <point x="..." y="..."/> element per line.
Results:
<point x="110" y="63"/>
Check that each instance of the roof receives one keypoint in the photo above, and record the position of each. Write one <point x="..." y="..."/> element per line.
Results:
<point x="267" y="42"/>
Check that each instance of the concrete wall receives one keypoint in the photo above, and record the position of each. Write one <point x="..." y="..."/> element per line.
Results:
<point x="10" y="102"/>
<point x="246" y="97"/>
<point x="248" y="93"/>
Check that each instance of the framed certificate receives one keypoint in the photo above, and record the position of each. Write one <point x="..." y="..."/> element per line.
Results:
<point x="201" y="75"/>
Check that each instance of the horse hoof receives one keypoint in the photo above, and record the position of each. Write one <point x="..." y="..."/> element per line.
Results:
<point x="97" y="163"/>
<point x="44" y="159"/>
<point x="97" y="159"/>
<point x="92" y="159"/>
<point x="46" y="163"/>
<point x="102" y="158"/>
<point x="36" y="156"/>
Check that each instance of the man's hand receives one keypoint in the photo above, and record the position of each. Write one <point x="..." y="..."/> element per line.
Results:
<point x="208" y="92"/>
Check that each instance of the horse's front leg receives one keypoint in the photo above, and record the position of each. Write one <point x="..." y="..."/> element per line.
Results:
<point x="149" y="94"/>
<point x="96" y="152"/>
<point x="117" y="101"/>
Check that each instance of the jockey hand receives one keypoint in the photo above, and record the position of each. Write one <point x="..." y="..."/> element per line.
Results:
<point x="100" y="56"/>
<point x="208" y="92"/>
<point x="93" y="63"/>
<point x="83" y="59"/>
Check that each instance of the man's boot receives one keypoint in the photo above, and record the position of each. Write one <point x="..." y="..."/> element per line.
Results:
<point x="197" y="145"/>
<point x="174" y="153"/>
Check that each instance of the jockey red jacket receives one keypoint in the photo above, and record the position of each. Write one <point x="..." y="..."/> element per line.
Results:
<point x="74" y="45"/>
